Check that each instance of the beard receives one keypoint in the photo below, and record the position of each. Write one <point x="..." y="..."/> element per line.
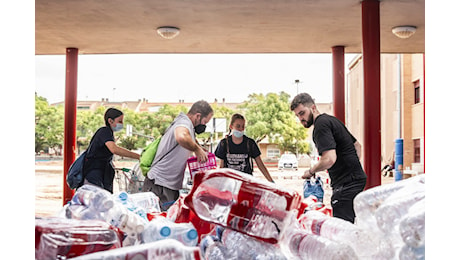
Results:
<point x="309" y="122"/>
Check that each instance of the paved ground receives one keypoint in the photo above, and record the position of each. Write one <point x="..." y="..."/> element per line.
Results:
<point x="49" y="183"/>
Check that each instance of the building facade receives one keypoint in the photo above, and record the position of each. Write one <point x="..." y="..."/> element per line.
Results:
<point x="402" y="106"/>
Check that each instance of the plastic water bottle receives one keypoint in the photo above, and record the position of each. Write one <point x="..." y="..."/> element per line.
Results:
<point x="367" y="202"/>
<point x="242" y="202"/>
<point x="93" y="197"/>
<point x="126" y="220"/>
<point x="361" y="240"/>
<point x="147" y="200"/>
<point x="411" y="253"/>
<point x="212" y="249"/>
<point x="302" y="245"/>
<point x="125" y="199"/>
<point x="161" y="228"/>
<point x="389" y="214"/>
<point x="60" y="238"/>
<point x="246" y="247"/>
<point x="412" y="227"/>
<point x="163" y="249"/>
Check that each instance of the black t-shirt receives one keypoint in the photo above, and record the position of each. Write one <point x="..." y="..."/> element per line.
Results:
<point x="98" y="168"/>
<point x="238" y="155"/>
<point x="330" y="133"/>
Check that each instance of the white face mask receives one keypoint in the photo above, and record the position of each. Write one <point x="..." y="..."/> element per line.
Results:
<point x="238" y="134"/>
<point x="118" y="127"/>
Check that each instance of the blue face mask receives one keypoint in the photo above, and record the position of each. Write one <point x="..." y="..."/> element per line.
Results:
<point x="118" y="127"/>
<point x="238" y="134"/>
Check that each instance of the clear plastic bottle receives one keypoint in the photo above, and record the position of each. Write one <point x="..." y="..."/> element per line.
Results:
<point x="246" y="247"/>
<point x="126" y="220"/>
<point x="147" y="200"/>
<point x="124" y="198"/>
<point x="361" y="240"/>
<point x="367" y="202"/>
<point x="60" y="238"/>
<point x="164" y="249"/>
<point x="211" y="248"/>
<point x="242" y="202"/>
<point x="412" y="227"/>
<point x="389" y="214"/>
<point x="161" y="228"/>
<point x="411" y="253"/>
<point x="93" y="197"/>
<point x="302" y="245"/>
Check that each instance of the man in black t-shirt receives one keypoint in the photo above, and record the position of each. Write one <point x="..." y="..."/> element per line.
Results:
<point x="340" y="153"/>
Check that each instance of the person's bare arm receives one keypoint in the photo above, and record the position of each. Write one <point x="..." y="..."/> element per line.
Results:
<point x="115" y="149"/>
<point x="185" y="140"/>
<point x="263" y="169"/>
<point x="326" y="161"/>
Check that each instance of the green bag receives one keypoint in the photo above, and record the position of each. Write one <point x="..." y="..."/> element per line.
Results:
<point x="147" y="156"/>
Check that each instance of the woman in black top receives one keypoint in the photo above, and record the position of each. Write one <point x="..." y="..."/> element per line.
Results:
<point x="98" y="168"/>
<point x="236" y="150"/>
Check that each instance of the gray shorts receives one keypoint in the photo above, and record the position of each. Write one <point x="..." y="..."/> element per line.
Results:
<point x="167" y="196"/>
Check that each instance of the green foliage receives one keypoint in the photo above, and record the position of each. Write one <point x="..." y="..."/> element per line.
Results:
<point x="49" y="126"/>
<point x="269" y="116"/>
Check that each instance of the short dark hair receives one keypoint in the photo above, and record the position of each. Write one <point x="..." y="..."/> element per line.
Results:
<point x="111" y="113"/>
<point x="201" y="107"/>
<point x="302" y="98"/>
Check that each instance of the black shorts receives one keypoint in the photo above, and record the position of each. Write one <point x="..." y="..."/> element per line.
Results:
<point x="342" y="199"/>
<point x="167" y="196"/>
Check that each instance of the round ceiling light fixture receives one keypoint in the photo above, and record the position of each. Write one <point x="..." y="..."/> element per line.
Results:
<point x="168" y="32"/>
<point x="404" y="32"/>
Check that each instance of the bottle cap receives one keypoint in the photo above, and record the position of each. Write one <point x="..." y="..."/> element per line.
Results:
<point x="165" y="231"/>
<point x="123" y="195"/>
<point x="192" y="234"/>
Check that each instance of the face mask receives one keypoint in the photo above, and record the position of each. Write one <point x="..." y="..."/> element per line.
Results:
<point x="238" y="134"/>
<point x="118" y="127"/>
<point x="200" y="128"/>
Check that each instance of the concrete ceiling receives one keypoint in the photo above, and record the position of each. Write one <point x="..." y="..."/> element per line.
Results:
<point x="219" y="26"/>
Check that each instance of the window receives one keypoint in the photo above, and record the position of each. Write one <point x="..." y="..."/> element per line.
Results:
<point x="273" y="153"/>
<point x="416" y="150"/>
<point x="417" y="92"/>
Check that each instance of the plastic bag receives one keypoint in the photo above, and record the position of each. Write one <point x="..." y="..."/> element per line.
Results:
<point x="314" y="188"/>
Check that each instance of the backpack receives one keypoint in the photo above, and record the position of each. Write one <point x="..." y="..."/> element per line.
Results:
<point x="149" y="152"/>
<point x="147" y="156"/>
<point x="75" y="176"/>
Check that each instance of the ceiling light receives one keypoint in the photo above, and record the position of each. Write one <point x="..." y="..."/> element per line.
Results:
<point x="168" y="32"/>
<point x="404" y="32"/>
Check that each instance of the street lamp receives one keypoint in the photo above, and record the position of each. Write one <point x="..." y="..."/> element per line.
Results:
<point x="297" y="83"/>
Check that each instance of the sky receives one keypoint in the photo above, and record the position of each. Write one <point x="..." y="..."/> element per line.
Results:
<point x="191" y="77"/>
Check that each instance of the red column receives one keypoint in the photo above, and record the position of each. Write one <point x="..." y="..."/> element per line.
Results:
<point x="424" y="118"/>
<point x="70" y="117"/>
<point x="338" y="81"/>
<point x="371" y="69"/>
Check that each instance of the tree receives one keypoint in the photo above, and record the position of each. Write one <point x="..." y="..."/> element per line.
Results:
<point x="49" y="125"/>
<point x="269" y="116"/>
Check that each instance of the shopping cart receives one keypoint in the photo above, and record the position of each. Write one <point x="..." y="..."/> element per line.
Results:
<point x="129" y="180"/>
